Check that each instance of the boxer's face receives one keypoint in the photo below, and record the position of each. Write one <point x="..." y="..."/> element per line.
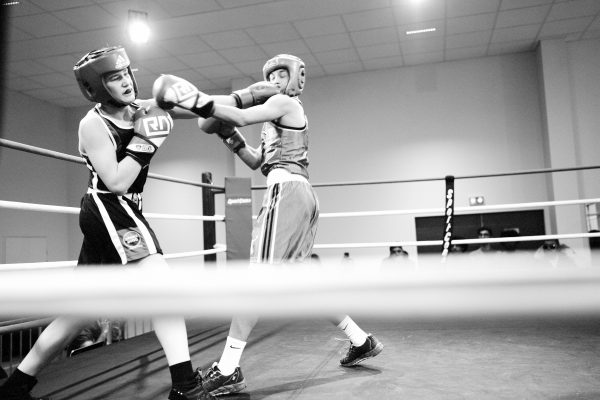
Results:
<point x="280" y="78"/>
<point x="120" y="86"/>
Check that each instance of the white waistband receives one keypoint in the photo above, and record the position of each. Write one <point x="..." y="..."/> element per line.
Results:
<point x="279" y="175"/>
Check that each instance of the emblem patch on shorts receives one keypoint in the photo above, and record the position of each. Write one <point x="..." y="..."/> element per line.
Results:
<point x="132" y="239"/>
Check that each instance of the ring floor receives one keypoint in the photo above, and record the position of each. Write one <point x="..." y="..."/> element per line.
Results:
<point x="500" y="358"/>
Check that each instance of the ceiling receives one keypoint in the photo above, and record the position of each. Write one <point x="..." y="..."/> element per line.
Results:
<point x="212" y="42"/>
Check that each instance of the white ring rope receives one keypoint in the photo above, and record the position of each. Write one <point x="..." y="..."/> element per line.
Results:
<point x="219" y="248"/>
<point x="501" y="286"/>
<point x="75" y="210"/>
<point x="440" y="210"/>
<point x="457" y="241"/>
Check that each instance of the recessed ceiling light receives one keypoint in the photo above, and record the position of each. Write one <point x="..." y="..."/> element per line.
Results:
<point x="420" y="31"/>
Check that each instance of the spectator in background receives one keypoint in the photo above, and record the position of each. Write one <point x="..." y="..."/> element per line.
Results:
<point x="509" y="246"/>
<point x="101" y="331"/>
<point x="458" y="248"/>
<point x="484" y="233"/>
<point x="554" y="254"/>
<point x="315" y="259"/>
<point x="346" y="258"/>
<point x="397" y="257"/>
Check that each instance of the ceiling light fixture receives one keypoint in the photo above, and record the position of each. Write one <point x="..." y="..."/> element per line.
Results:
<point x="139" y="31"/>
<point x="420" y="31"/>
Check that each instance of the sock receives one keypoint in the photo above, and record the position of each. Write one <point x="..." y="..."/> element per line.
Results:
<point x="357" y="336"/>
<point x="182" y="375"/>
<point x="232" y="353"/>
<point x="20" y="378"/>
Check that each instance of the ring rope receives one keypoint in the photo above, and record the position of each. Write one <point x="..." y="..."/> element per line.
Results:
<point x="75" y="210"/>
<point x="503" y="286"/>
<point x="440" y="210"/>
<point x="73" y="263"/>
<point x="457" y="241"/>
<point x="500" y="174"/>
<point x="67" y="157"/>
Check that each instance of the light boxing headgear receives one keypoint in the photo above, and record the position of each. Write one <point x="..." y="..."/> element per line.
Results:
<point x="89" y="72"/>
<point x="295" y="68"/>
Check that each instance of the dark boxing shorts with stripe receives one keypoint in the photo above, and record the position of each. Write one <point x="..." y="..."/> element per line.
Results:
<point x="114" y="230"/>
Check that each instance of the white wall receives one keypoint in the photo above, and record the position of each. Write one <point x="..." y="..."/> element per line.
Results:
<point x="26" y="177"/>
<point x="461" y="118"/>
<point x="466" y="117"/>
<point x="584" y="57"/>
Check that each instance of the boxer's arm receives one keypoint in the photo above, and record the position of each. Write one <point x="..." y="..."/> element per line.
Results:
<point x="233" y="139"/>
<point x="251" y="156"/>
<point x="274" y="108"/>
<point x="96" y="144"/>
<point x="175" y="113"/>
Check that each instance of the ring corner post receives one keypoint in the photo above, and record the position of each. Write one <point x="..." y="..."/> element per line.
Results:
<point x="448" y="216"/>
<point x="208" y="209"/>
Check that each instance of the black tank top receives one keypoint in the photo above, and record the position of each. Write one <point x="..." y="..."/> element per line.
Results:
<point x="120" y="138"/>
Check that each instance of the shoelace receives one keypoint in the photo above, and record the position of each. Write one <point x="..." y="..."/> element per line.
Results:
<point x="212" y="373"/>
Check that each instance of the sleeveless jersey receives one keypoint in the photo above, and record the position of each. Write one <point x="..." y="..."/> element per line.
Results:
<point x="114" y="229"/>
<point x="120" y="136"/>
<point x="284" y="147"/>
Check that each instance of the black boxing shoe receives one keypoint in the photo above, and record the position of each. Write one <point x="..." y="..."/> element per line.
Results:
<point x="18" y="393"/>
<point x="355" y="354"/>
<point x="195" y="391"/>
<point x="218" y="384"/>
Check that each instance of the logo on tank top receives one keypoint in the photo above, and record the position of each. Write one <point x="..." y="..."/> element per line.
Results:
<point x="132" y="239"/>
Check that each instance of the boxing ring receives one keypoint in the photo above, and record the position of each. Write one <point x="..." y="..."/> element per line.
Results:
<point x="442" y="311"/>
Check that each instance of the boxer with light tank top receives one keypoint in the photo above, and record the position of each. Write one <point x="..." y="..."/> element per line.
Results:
<point x="285" y="229"/>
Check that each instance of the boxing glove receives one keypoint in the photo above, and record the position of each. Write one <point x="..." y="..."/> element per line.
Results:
<point x="170" y="91"/>
<point x="232" y="138"/>
<point x="151" y="126"/>
<point x="255" y="94"/>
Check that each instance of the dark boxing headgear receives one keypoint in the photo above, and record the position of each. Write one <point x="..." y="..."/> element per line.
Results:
<point x="90" y="70"/>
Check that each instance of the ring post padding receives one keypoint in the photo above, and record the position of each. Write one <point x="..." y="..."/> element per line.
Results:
<point x="449" y="214"/>
<point x="208" y="208"/>
<point x="238" y="217"/>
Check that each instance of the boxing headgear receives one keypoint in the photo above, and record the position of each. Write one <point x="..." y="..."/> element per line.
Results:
<point x="90" y="70"/>
<point x="295" y="68"/>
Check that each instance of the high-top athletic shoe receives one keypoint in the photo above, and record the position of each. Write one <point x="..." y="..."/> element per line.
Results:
<point x="18" y="393"/>
<point x="369" y="349"/>
<point x="217" y="384"/>
<point x="195" y="393"/>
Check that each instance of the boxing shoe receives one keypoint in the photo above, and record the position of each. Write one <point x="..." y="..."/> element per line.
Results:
<point x="195" y="392"/>
<point x="18" y="393"/>
<point x="357" y="354"/>
<point x="218" y="384"/>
